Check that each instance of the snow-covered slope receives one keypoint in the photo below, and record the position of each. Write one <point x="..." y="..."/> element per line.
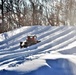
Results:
<point x="54" y="55"/>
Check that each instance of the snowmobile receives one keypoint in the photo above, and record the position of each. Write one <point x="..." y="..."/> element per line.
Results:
<point x="30" y="40"/>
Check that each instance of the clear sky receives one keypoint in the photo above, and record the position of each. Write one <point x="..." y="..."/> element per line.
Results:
<point x="0" y="1"/>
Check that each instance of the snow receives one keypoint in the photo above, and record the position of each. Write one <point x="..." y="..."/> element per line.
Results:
<point x="34" y="64"/>
<point x="54" y="55"/>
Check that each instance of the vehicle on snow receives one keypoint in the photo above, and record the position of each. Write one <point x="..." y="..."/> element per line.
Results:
<point x="30" y="40"/>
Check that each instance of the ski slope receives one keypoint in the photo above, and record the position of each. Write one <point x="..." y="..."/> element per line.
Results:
<point x="54" y="55"/>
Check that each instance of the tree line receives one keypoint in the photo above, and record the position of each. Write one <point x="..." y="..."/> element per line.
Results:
<point x="18" y="13"/>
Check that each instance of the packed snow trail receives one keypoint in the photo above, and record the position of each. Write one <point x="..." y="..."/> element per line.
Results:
<point x="59" y="40"/>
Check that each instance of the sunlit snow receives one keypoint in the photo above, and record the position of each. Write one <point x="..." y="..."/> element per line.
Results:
<point x="54" y="55"/>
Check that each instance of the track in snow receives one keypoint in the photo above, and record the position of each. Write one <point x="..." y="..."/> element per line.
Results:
<point x="52" y="39"/>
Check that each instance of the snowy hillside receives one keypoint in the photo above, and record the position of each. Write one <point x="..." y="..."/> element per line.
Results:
<point x="54" y="55"/>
